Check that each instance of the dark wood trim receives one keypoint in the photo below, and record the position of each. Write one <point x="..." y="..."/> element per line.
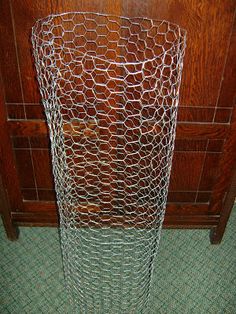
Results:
<point x="11" y="197"/>
<point x="12" y="231"/>
<point x="184" y="130"/>
<point x="224" y="191"/>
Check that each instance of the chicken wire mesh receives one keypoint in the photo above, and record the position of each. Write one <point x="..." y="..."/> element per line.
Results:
<point x="110" y="89"/>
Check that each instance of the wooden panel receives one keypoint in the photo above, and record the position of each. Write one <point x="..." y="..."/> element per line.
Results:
<point x="43" y="171"/>
<point x="190" y="145"/>
<point x="29" y="194"/>
<point x="228" y="91"/>
<point x="183" y="197"/>
<point x="210" y="171"/>
<point x="222" y="115"/>
<point x="46" y="195"/>
<point x="199" y="114"/>
<point x="201" y="131"/>
<point x="186" y="171"/>
<point x="25" y="168"/>
<point x="8" y="57"/>
<point x="204" y="20"/>
<point x="34" y="111"/>
<point x="215" y="145"/>
<point x="28" y="128"/>
<point x="203" y="197"/>
<point x="40" y="142"/>
<point x="39" y="194"/>
<point x="20" y="142"/>
<point x="16" y="111"/>
<point x="208" y="24"/>
<point x="199" y="145"/>
<point x="25" y="13"/>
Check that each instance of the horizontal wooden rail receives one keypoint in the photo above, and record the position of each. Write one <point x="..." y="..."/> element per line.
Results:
<point x="177" y="216"/>
<point x="34" y="128"/>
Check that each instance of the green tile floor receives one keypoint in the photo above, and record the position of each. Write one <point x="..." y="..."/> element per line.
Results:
<point x="191" y="275"/>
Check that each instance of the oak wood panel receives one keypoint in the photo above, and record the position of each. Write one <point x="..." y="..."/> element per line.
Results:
<point x="208" y="24"/>
<point x="191" y="164"/>
<point x="25" y="13"/>
<point x="190" y="144"/>
<point x="196" y="114"/>
<point x="30" y="193"/>
<point x="203" y="197"/>
<point x="15" y="111"/>
<point x="210" y="171"/>
<point x="42" y="169"/>
<point x="183" y="197"/>
<point x="222" y="115"/>
<point x="215" y="145"/>
<point x="25" y="168"/>
<point x="202" y="131"/>
<point x="8" y="58"/>
<point x="34" y="111"/>
<point x="40" y="142"/>
<point x="46" y="195"/>
<point x="227" y="93"/>
<point x="20" y="142"/>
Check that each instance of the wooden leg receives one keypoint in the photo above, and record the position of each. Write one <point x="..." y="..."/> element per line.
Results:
<point x="216" y="236"/>
<point x="10" y="228"/>
<point x="217" y="233"/>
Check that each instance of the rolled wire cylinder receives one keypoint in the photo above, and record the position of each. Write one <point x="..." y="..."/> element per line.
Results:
<point x="110" y="89"/>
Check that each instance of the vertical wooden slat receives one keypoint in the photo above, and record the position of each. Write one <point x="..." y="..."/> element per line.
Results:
<point x="8" y="57"/>
<point x="9" y="180"/>
<point x="223" y="193"/>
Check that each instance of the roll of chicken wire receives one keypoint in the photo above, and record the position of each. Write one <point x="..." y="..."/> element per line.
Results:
<point x="110" y="89"/>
